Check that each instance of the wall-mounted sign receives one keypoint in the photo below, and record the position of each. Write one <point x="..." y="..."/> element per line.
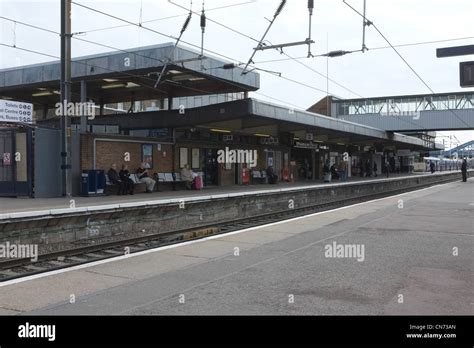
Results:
<point x="303" y="145"/>
<point x="309" y="136"/>
<point x="269" y="141"/>
<point x="16" y="112"/>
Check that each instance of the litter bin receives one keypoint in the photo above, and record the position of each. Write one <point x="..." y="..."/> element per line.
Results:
<point x="92" y="183"/>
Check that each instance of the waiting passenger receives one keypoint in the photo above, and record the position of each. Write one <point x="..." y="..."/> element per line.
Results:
<point x="334" y="173"/>
<point x="145" y="178"/>
<point x="327" y="172"/>
<point x="375" y="169"/>
<point x="464" y="170"/>
<point x="343" y="167"/>
<point x="272" y="177"/>
<point x="187" y="176"/>
<point x="368" y="169"/>
<point x="386" y="168"/>
<point x="432" y="167"/>
<point x="114" y="178"/>
<point x="125" y="177"/>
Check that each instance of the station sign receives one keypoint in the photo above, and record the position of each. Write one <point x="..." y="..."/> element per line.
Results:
<point x="16" y="112"/>
<point x="303" y="145"/>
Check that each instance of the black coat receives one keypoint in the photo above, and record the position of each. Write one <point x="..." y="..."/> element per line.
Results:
<point x="113" y="176"/>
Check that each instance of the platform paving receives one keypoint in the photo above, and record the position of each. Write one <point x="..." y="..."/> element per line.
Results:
<point x="418" y="259"/>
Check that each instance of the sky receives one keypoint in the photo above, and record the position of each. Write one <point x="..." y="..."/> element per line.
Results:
<point x="377" y="72"/>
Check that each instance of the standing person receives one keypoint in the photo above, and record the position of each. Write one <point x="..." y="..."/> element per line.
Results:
<point x="187" y="176"/>
<point x="125" y="177"/>
<point x="327" y="171"/>
<point x="343" y="169"/>
<point x="375" y="169"/>
<point x="464" y="170"/>
<point x="387" y="168"/>
<point x="432" y="167"/>
<point x="114" y="178"/>
<point x="145" y="178"/>
<point x="368" y="169"/>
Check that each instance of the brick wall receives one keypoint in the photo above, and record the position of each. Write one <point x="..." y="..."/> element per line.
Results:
<point x="108" y="152"/>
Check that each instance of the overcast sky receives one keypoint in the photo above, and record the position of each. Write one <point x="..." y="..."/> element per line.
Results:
<point x="375" y="73"/>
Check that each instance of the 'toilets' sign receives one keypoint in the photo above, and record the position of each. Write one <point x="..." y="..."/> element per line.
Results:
<point x="16" y="112"/>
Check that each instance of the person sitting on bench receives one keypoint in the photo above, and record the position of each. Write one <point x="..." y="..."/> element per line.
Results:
<point x="125" y="177"/>
<point x="272" y="177"/>
<point x="114" y="178"/>
<point x="145" y="178"/>
<point x="187" y="176"/>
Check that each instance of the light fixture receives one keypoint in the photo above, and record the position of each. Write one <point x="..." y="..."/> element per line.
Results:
<point x="215" y="130"/>
<point x="114" y="85"/>
<point x="262" y="135"/>
<point x="132" y="85"/>
<point x="42" y="94"/>
<point x="174" y="72"/>
<point x="341" y="144"/>
<point x="196" y="79"/>
<point x="110" y="80"/>
<point x="296" y="138"/>
<point x="318" y="141"/>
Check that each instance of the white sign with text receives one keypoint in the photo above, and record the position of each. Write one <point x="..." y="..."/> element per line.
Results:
<point x="17" y="112"/>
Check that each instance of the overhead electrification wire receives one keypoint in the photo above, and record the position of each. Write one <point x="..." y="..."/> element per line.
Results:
<point x="373" y="49"/>
<point x="163" y="18"/>
<point x="121" y="50"/>
<point x="404" y="60"/>
<point x="188" y="43"/>
<point x="258" y="41"/>
<point x="277" y="13"/>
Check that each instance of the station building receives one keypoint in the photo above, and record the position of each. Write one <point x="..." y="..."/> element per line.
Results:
<point x="198" y="106"/>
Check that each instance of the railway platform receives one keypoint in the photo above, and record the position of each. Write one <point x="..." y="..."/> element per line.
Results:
<point x="10" y="205"/>
<point x="414" y="257"/>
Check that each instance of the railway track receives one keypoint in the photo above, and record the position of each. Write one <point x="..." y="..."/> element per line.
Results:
<point x="19" y="268"/>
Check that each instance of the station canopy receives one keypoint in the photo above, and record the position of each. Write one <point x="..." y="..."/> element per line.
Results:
<point x="128" y="75"/>
<point x="263" y="119"/>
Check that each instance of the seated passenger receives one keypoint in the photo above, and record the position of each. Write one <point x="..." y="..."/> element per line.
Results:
<point x="125" y="177"/>
<point x="114" y="178"/>
<point x="187" y="176"/>
<point x="272" y="177"/>
<point x="145" y="178"/>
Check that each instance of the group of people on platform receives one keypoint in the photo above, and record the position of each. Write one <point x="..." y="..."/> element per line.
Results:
<point x="337" y="171"/>
<point x="126" y="185"/>
<point x="123" y="181"/>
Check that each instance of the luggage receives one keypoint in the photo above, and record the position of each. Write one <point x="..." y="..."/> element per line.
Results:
<point x="327" y="177"/>
<point x="198" y="183"/>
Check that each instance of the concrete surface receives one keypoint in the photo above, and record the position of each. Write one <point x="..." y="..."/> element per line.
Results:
<point x="408" y="252"/>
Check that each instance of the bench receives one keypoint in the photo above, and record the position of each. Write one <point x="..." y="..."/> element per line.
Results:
<point x="172" y="178"/>
<point x="113" y="189"/>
